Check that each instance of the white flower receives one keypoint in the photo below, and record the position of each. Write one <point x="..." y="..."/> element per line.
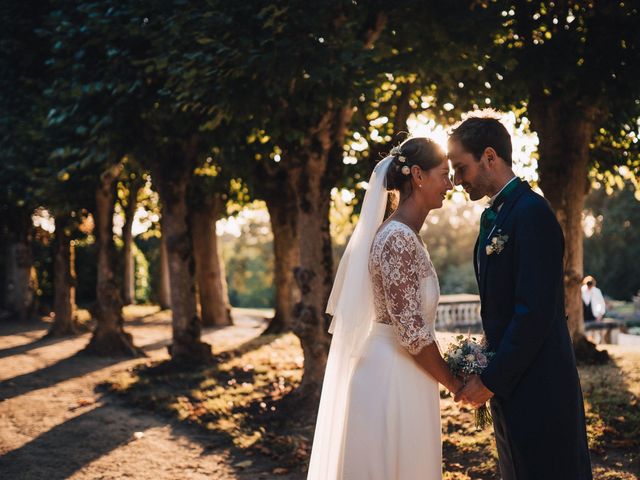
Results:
<point x="497" y="244"/>
<point x="470" y="358"/>
<point x="406" y="170"/>
<point x="402" y="159"/>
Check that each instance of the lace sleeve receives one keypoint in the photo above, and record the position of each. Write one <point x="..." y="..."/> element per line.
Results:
<point x="401" y="270"/>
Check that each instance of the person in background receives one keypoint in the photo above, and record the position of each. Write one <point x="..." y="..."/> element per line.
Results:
<point x="592" y="300"/>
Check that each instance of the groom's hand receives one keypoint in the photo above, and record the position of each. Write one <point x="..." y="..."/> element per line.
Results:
<point x="474" y="393"/>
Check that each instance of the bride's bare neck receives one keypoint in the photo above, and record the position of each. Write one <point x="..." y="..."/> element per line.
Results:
<point x="412" y="213"/>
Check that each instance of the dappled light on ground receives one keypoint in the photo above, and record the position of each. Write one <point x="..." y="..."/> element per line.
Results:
<point x="235" y="418"/>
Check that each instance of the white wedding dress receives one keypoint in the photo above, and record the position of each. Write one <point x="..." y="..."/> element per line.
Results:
<point x="379" y="412"/>
<point x="392" y="427"/>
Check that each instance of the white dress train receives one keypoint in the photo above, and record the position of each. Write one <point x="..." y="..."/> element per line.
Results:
<point x="392" y="427"/>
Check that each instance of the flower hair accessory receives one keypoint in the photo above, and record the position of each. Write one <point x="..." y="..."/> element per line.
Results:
<point x="405" y="170"/>
<point x="397" y="152"/>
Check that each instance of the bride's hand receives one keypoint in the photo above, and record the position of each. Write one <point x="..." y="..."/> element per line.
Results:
<point x="456" y="385"/>
<point x="474" y="393"/>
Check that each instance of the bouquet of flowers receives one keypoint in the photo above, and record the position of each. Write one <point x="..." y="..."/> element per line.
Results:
<point x="467" y="357"/>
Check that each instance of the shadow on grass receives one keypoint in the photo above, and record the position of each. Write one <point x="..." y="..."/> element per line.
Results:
<point x="37" y="343"/>
<point x="15" y="327"/>
<point x="238" y="400"/>
<point x="613" y="427"/>
<point x="251" y="344"/>
<point x="76" y="365"/>
<point x="246" y="347"/>
<point x="153" y="320"/>
<point x="244" y="402"/>
<point x="466" y="453"/>
<point x="158" y="322"/>
<point x="248" y="402"/>
<point x="47" y="455"/>
<point x="162" y="343"/>
<point x="146" y="316"/>
<point x="613" y="417"/>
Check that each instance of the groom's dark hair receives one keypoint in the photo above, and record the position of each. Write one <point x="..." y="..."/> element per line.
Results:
<point x="483" y="130"/>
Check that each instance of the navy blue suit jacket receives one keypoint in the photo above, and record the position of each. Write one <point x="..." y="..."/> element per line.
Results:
<point x="538" y="408"/>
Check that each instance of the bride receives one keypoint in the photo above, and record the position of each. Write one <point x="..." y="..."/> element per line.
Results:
<point x="379" y="415"/>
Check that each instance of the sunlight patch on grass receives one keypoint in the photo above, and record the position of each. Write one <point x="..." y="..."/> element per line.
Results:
<point x="613" y="417"/>
<point x="233" y="397"/>
<point x="240" y="397"/>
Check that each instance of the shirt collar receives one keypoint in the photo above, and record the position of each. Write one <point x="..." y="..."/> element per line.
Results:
<point x="492" y="199"/>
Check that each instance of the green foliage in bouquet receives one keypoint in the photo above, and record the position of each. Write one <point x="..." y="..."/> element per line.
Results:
<point x="467" y="357"/>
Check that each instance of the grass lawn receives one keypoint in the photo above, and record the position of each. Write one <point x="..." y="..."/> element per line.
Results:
<point x="241" y="399"/>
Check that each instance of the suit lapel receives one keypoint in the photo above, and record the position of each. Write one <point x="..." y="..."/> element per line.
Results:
<point x="506" y="208"/>
<point x="482" y="255"/>
<point x="509" y="204"/>
<point x="475" y="260"/>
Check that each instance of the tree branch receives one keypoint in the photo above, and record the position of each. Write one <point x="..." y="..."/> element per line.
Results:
<point x="373" y="33"/>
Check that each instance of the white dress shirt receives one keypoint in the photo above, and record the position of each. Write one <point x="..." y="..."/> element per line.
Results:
<point x="491" y="200"/>
<point x="594" y="296"/>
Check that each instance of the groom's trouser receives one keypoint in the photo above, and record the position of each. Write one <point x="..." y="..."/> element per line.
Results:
<point x="535" y="446"/>
<point x="505" y="457"/>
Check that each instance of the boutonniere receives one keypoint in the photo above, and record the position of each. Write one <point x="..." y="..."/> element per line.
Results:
<point x="497" y="244"/>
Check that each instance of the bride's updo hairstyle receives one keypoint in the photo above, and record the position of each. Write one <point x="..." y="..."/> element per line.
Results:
<point x="419" y="151"/>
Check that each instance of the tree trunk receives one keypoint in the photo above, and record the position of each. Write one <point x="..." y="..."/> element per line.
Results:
<point x="313" y="277"/>
<point x="109" y="337"/>
<point x="286" y="250"/>
<point x="64" y="281"/>
<point x="128" y="277"/>
<point x="564" y="135"/>
<point x="172" y="179"/>
<point x="165" y="285"/>
<point x="213" y="295"/>
<point x="312" y="180"/>
<point x="21" y="283"/>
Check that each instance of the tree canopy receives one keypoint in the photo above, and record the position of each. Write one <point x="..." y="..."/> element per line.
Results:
<point x="285" y="101"/>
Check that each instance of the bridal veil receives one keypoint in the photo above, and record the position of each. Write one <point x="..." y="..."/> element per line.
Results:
<point x="352" y="307"/>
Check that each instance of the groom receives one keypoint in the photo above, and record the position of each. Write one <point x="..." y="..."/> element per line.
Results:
<point x="532" y="381"/>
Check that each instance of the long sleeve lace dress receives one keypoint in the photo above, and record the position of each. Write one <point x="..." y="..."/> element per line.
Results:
<point x="393" y="420"/>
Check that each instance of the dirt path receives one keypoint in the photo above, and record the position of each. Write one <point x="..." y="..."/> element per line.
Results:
<point x="54" y="424"/>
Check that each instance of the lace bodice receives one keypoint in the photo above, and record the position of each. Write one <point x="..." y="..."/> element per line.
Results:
<point x="405" y="285"/>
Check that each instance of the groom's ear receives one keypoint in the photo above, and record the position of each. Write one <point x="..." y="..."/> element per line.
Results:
<point x="491" y="155"/>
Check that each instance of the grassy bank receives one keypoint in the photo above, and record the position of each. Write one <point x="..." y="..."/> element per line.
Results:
<point x="242" y="401"/>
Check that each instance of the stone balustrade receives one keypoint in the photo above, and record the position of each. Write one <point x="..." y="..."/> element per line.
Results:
<point x="460" y="312"/>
